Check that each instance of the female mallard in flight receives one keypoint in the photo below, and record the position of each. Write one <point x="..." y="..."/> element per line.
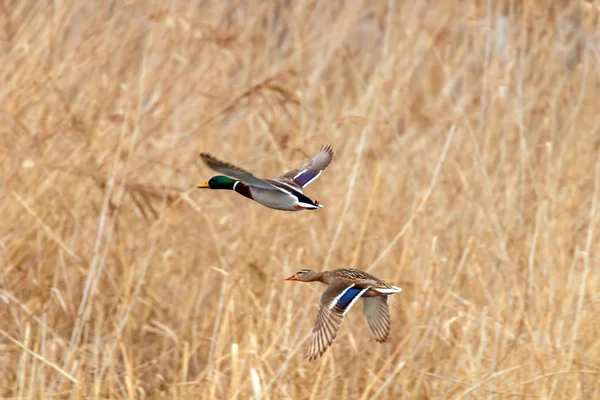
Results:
<point x="281" y="193"/>
<point x="345" y="287"/>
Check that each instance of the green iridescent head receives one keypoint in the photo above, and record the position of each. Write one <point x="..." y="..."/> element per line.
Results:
<point x="218" y="182"/>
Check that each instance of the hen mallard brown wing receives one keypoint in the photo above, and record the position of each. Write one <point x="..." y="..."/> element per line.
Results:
<point x="377" y="314"/>
<point x="336" y="301"/>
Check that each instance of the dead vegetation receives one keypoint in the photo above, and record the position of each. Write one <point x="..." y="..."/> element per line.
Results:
<point x="467" y="171"/>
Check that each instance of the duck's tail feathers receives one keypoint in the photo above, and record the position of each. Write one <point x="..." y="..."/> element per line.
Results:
<point x="308" y="206"/>
<point x="393" y="289"/>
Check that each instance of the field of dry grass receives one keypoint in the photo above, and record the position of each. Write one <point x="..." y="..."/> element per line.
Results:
<point x="467" y="171"/>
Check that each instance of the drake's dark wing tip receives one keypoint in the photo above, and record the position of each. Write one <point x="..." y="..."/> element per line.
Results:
<point x="326" y="148"/>
<point x="206" y="156"/>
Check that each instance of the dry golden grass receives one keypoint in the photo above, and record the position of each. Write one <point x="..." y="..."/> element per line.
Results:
<point x="467" y="171"/>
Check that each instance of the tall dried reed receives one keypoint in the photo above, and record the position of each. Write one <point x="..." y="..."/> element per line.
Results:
<point x="467" y="171"/>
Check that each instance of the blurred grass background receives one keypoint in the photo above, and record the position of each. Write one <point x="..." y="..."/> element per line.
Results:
<point x="466" y="171"/>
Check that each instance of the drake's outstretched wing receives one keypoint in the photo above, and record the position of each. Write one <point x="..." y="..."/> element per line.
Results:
<point x="233" y="171"/>
<point x="305" y="174"/>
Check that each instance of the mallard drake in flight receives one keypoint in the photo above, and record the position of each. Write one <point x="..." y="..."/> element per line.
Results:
<point x="282" y="193"/>
<point x="345" y="287"/>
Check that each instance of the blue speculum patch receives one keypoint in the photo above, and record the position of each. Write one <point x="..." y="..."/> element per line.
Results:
<point x="347" y="298"/>
<point x="306" y="176"/>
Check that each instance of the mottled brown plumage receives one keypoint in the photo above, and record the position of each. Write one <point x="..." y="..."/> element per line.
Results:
<point x="345" y="287"/>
